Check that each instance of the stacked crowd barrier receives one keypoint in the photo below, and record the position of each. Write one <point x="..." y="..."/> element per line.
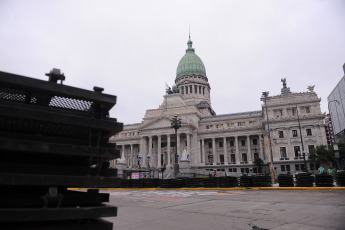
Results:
<point x="304" y="180"/>
<point x="323" y="180"/>
<point x="285" y="180"/>
<point x="340" y="178"/>
<point x="54" y="137"/>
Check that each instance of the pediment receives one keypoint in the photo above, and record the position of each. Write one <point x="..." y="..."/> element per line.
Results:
<point x="163" y="122"/>
<point x="158" y="123"/>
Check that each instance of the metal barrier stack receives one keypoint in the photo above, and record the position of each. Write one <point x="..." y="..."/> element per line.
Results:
<point x="285" y="180"/>
<point x="304" y="180"/>
<point x="53" y="137"/>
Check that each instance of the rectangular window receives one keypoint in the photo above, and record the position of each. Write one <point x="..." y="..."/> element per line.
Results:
<point x="242" y="170"/>
<point x="297" y="151"/>
<point x="256" y="156"/>
<point x="297" y="167"/>
<point x="239" y="123"/>
<point x="243" y="142"/>
<point x="309" y="132"/>
<point x="221" y="144"/>
<point x="307" y="109"/>
<point x="211" y="126"/>
<point x="191" y="88"/>
<point x="196" y="89"/>
<point x="244" y="157"/>
<point x="293" y="111"/>
<point x="234" y="170"/>
<point x="255" y="141"/>
<point x="185" y="143"/>
<point x="294" y="133"/>
<point x="233" y="159"/>
<point x="255" y="170"/>
<point x="186" y="89"/>
<point x="280" y="112"/>
<point x="210" y="144"/>
<point x="199" y="89"/>
<point x="281" y="134"/>
<point x="311" y="148"/>
<point x="228" y="125"/>
<point x="207" y="126"/>
<point x="221" y="126"/>
<point x="231" y="143"/>
<point x="283" y="152"/>
<point x="288" y="168"/>
<point x="232" y="124"/>
<point x="282" y="167"/>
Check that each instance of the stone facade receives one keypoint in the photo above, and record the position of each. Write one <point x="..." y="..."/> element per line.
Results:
<point x="226" y="143"/>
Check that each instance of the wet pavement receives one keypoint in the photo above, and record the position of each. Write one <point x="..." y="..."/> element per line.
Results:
<point x="228" y="209"/>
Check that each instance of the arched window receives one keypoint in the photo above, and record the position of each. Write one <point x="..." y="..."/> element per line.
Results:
<point x="203" y="90"/>
<point x="195" y="89"/>
<point x="186" y="89"/>
<point x="199" y="89"/>
<point x="191" y="88"/>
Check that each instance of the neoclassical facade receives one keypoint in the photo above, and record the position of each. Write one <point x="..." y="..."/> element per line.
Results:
<point x="227" y="143"/>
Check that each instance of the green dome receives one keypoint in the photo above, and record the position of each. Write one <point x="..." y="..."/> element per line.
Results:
<point x="190" y="63"/>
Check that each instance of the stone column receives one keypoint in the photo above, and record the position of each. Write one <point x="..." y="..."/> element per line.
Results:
<point x="123" y="152"/>
<point x="150" y="151"/>
<point x="249" y="150"/>
<point x="261" y="154"/>
<point x="132" y="156"/>
<point x="203" y="158"/>
<point x="226" y="155"/>
<point x="144" y="153"/>
<point x="168" y="149"/>
<point x="215" y="155"/>
<point x="159" y="152"/>
<point x="239" y="159"/>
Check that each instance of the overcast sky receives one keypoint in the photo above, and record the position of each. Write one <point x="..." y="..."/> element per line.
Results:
<point x="131" y="48"/>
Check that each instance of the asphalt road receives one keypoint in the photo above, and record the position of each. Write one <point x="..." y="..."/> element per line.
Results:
<point x="228" y="209"/>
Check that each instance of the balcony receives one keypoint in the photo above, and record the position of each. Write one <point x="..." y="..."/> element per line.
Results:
<point x="284" y="158"/>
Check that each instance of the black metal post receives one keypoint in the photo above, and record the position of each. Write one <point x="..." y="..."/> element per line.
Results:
<point x="175" y="124"/>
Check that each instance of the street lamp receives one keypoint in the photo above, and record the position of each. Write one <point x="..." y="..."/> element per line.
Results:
<point x="303" y="153"/>
<point x="175" y="124"/>
<point x="264" y="98"/>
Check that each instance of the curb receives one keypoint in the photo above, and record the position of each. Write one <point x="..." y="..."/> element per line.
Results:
<point x="235" y="188"/>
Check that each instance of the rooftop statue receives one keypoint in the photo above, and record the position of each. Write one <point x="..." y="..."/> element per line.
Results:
<point x="311" y="88"/>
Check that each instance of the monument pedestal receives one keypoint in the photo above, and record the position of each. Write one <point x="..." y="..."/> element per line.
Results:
<point x="120" y="169"/>
<point x="185" y="166"/>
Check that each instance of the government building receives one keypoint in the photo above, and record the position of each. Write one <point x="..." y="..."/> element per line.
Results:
<point x="228" y="144"/>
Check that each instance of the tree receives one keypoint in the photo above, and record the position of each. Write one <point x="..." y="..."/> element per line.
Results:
<point x="323" y="154"/>
<point x="258" y="162"/>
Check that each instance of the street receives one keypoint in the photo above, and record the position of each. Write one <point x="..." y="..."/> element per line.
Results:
<point x="228" y="209"/>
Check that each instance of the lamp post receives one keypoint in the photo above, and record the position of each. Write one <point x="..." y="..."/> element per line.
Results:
<point x="264" y="98"/>
<point x="303" y="152"/>
<point x="175" y="124"/>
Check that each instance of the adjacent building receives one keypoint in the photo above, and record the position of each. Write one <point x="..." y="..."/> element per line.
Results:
<point x="336" y="106"/>
<point x="228" y="143"/>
